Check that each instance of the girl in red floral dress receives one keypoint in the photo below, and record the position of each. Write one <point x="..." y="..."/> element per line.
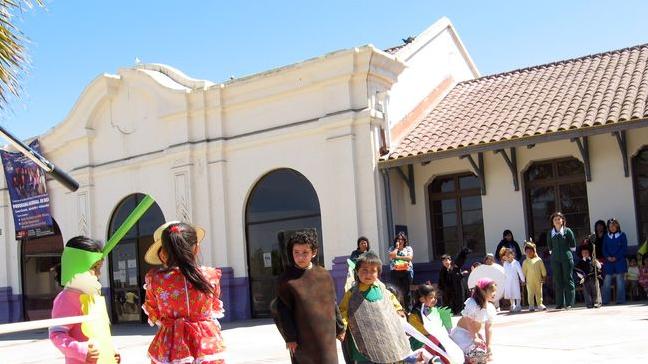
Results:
<point x="182" y="298"/>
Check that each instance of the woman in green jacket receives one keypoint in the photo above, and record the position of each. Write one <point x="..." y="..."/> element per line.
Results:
<point x="562" y="244"/>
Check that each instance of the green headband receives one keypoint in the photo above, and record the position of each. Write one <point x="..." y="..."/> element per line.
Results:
<point x="75" y="261"/>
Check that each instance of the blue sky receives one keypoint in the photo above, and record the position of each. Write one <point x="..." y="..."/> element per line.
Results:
<point x="72" y="42"/>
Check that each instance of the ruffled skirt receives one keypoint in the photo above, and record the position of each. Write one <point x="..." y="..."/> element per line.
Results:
<point x="181" y="341"/>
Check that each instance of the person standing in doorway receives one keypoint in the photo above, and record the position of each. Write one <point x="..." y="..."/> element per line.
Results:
<point x="401" y="267"/>
<point x="615" y="248"/>
<point x="562" y="244"/>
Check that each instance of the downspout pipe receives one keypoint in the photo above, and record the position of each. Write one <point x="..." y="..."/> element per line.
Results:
<point x="388" y="202"/>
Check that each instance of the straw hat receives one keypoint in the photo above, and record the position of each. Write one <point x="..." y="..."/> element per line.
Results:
<point x="151" y="256"/>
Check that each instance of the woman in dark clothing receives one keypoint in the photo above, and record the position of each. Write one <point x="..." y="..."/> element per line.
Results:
<point x="600" y="230"/>
<point x="562" y="245"/>
<point x="451" y="279"/>
<point x="363" y="246"/>
<point x="615" y="266"/>
<point x="508" y="242"/>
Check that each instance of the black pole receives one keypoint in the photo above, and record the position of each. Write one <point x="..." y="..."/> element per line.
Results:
<point x="58" y="174"/>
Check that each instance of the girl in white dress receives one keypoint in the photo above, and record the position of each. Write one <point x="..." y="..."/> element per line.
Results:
<point x="514" y="277"/>
<point x="478" y="313"/>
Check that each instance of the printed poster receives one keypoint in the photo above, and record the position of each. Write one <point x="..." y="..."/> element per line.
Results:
<point x="30" y="202"/>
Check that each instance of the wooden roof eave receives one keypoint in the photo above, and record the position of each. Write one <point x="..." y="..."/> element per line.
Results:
<point x="518" y="142"/>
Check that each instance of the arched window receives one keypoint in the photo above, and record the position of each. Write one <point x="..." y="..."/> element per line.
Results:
<point x="556" y="185"/>
<point x="456" y="214"/>
<point x="640" y="175"/>
<point x="281" y="203"/>
<point x="127" y="265"/>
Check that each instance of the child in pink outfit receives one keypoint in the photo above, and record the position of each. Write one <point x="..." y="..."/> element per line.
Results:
<point x="69" y="339"/>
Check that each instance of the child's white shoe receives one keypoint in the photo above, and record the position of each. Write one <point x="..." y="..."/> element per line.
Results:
<point x="531" y="308"/>
<point x="542" y="308"/>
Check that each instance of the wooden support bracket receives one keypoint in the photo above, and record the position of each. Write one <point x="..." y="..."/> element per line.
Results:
<point x="511" y="162"/>
<point x="583" y="147"/>
<point x="478" y="168"/>
<point x="409" y="181"/>
<point x="623" y="147"/>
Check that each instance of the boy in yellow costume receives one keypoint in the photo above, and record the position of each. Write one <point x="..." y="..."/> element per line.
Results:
<point x="535" y="272"/>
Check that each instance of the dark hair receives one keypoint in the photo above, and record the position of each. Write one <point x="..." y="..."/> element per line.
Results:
<point x="475" y="264"/>
<point x="631" y="259"/>
<point x="401" y="235"/>
<point x="78" y="242"/>
<point x="363" y="238"/>
<point x="424" y="290"/>
<point x="306" y="237"/>
<point x="445" y="256"/>
<point x="178" y="241"/>
<point x="602" y="223"/>
<point x="370" y="258"/>
<point x="507" y="232"/>
<point x="612" y="220"/>
<point x="559" y="214"/>
<point x="479" y="295"/>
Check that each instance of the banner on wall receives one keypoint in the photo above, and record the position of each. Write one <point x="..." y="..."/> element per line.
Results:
<point x="30" y="202"/>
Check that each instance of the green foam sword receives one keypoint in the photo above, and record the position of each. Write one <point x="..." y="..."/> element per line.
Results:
<point x="74" y="261"/>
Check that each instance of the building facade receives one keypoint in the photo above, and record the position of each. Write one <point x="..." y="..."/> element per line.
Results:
<point x="251" y="160"/>
<point x="506" y="151"/>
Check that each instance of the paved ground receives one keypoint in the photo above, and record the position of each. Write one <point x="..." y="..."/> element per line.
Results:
<point x="613" y="334"/>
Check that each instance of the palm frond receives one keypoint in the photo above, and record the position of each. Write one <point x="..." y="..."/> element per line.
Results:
<point x="13" y="59"/>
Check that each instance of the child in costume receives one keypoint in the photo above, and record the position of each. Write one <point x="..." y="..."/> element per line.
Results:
<point x="306" y="311"/>
<point x="373" y="315"/>
<point x="588" y="268"/>
<point x="451" y="281"/>
<point x="535" y="273"/>
<point x="434" y="323"/>
<point x="478" y="311"/>
<point x="632" y="279"/>
<point x="182" y="298"/>
<point x="514" y="277"/>
<point x="643" y="275"/>
<point x="80" y="268"/>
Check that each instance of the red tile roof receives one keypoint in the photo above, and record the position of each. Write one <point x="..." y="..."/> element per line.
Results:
<point x="594" y="90"/>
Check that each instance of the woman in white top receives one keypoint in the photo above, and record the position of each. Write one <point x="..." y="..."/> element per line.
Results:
<point x="479" y="311"/>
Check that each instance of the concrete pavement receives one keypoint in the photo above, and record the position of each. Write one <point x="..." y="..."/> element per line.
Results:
<point x="612" y="334"/>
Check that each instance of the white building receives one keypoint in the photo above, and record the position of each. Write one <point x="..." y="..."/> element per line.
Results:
<point x="250" y="159"/>
<point x="355" y="142"/>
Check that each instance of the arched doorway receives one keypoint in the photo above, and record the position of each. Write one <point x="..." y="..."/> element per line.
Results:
<point x="556" y="185"/>
<point x="280" y="204"/>
<point x="640" y="176"/>
<point x="127" y="266"/>
<point x="39" y="287"/>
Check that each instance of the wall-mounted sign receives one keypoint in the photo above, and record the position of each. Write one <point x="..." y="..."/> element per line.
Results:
<point x="30" y="202"/>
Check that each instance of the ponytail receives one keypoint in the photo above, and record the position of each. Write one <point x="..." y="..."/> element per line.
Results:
<point x="178" y="241"/>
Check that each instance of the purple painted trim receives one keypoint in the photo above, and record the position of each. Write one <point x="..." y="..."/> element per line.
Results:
<point x="235" y="294"/>
<point x="10" y="306"/>
<point x="339" y="274"/>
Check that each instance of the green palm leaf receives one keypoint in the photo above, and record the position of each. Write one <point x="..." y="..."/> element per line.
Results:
<point x="13" y="59"/>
